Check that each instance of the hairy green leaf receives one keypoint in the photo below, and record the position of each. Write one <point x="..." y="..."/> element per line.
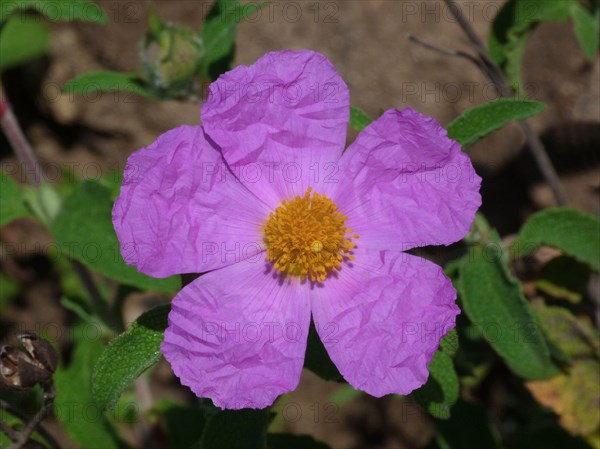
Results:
<point x="486" y="118"/>
<point x="128" y="355"/>
<point x="359" y="119"/>
<point x="11" y="200"/>
<point x="494" y="302"/>
<point x="107" y="81"/>
<point x="571" y="231"/>
<point x="83" y="230"/>
<point x="56" y="10"/>
<point x="441" y="390"/>
<point x="449" y="343"/>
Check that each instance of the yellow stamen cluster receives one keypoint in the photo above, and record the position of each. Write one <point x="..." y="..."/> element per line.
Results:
<point x="307" y="237"/>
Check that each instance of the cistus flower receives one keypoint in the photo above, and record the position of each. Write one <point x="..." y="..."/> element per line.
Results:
<point x="285" y="223"/>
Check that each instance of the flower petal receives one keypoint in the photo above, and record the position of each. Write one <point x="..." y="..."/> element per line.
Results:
<point x="406" y="184"/>
<point x="382" y="318"/>
<point x="238" y="335"/>
<point x="181" y="211"/>
<point x="281" y="122"/>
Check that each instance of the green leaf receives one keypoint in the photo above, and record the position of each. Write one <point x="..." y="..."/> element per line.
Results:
<point x="512" y="27"/>
<point x="83" y="230"/>
<point x="75" y="408"/>
<point x="236" y="429"/>
<point x="219" y="33"/>
<point x="12" y="205"/>
<point x="107" y="81"/>
<point x="289" y="441"/>
<point x="56" y="10"/>
<point x="359" y="119"/>
<point x="442" y="388"/>
<point x="494" y="302"/>
<point x="573" y="232"/>
<point x="129" y="355"/>
<point x="587" y="29"/>
<point x="23" y="39"/>
<point x="486" y="118"/>
<point x="317" y="360"/>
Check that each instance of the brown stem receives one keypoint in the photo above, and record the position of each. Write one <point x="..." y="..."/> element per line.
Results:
<point x="494" y="73"/>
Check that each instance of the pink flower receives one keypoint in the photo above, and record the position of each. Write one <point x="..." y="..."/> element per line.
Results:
<point x="287" y="224"/>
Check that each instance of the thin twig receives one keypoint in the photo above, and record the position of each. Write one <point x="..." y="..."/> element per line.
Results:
<point x="494" y="73"/>
<point x="9" y="431"/>
<point x="443" y="50"/>
<point x="40" y="429"/>
<point x="30" y="427"/>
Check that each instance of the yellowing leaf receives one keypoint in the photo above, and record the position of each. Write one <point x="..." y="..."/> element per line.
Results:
<point x="574" y="396"/>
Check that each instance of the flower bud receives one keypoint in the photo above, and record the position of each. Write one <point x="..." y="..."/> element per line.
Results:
<point x="171" y="56"/>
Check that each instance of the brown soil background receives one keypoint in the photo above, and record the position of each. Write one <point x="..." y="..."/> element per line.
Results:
<point x="365" y="41"/>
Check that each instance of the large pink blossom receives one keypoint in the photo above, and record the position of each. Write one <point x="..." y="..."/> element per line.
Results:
<point x="286" y="224"/>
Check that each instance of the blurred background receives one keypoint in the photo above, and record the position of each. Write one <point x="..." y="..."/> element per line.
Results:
<point x="93" y="135"/>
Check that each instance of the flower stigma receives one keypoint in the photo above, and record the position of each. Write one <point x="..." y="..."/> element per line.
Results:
<point x="307" y="237"/>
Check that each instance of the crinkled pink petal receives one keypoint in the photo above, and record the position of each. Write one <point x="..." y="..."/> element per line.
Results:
<point x="181" y="211"/>
<point x="238" y="335"/>
<point x="281" y="123"/>
<point x="405" y="184"/>
<point x="382" y="317"/>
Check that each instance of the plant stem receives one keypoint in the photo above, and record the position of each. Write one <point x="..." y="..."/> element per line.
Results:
<point x="502" y="86"/>
<point x="37" y="419"/>
<point x="17" y="140"/>
<point x="496" y="77"/>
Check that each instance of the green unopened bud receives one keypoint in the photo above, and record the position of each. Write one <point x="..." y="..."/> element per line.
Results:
<point x="171" y="56"/>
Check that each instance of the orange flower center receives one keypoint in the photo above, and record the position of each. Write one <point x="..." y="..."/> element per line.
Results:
<point x="307" y="237"/>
